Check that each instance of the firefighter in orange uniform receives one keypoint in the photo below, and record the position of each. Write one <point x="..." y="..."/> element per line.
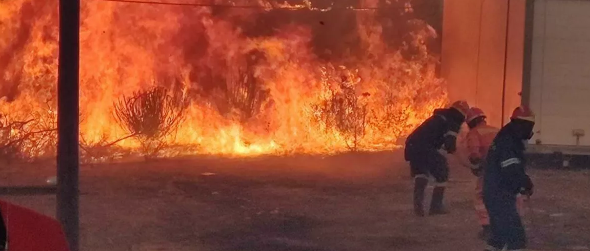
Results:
<point x="479" y="138"/>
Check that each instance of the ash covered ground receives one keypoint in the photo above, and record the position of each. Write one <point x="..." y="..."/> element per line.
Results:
<point x="356" y="201"/>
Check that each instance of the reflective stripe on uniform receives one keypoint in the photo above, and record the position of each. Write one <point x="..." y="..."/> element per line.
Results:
<point x="510" y="161"/>
<point x="451" y="133"/>
<point x="442" y="117"/>
<point x="421" y="176"/>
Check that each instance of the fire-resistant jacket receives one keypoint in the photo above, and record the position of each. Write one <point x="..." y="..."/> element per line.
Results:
<point x="439" y="130"/>
<point x="479" y="140"/>
<point x="504" y="171"/>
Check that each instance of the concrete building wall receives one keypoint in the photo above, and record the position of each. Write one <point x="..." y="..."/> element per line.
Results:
<point x="560" y="72"/>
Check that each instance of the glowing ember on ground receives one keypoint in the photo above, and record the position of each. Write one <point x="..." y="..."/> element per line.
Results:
<point x="249" y="90"/>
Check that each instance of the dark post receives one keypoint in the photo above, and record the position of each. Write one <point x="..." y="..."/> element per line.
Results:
<point x="528" y="52"/>
<point x="67" y="119"/>
<point x="505" y="60"/>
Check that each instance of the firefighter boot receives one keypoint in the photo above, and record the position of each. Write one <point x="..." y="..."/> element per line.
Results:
<point x="436" y="205"/>
<point x="420" y="184"/>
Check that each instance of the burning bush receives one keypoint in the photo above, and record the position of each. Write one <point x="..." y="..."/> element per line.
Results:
<point x="101" y="150"/>
<point x="28" y="139"/>
<point x="150" y="116"/>
<point x="387" y="99"/>
<point x="242" y="94"/>
<point x="341" y="110"/>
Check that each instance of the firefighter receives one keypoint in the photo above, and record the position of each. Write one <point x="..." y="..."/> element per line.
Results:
<point x="479" y="139"/>
<point x="505" y="178"/>
<point x="424" y="150"/>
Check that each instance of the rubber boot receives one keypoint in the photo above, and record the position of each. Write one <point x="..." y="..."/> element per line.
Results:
<point x="436" y="205"/>
<point x="420" y="184"/>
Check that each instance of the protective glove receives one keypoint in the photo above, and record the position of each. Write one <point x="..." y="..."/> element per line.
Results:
<point x="527" y="189"/>
<point x="476" y="165"/>
<point x="527" y="192"/>
<point x="450" y="144"/>
<point x="476" y="161"/>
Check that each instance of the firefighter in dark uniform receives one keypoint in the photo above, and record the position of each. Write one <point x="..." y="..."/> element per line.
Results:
<point x="424" y="148"/>
<point x="505" y="178"/>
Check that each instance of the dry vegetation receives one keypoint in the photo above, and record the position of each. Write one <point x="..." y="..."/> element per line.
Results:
<point x="150" y="116"/>
<point x="25" y="140"/>
<point x="342" y="111"/>
<point x="350" y="108"/>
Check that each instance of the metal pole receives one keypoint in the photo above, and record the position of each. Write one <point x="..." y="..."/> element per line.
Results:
<point x="527" y="53"/>
<point x="478" y="50"/>
<point x="505" y="61"/>
<point x="67" y="120"/>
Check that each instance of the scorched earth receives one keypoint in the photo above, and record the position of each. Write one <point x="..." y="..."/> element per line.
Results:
<point x="359" y="201"/>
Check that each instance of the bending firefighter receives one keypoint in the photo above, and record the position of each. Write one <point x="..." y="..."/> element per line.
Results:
<point x="505" y="178"/>
<point x="479" y="139"/>
<point x="424" y="148"/>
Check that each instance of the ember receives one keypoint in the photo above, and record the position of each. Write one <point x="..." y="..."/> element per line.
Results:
<point x="302" y="79"/>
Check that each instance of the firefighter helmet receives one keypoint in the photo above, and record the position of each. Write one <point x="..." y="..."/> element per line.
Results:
<point x="523" y="113"/>
<point x="474" y="113"/>
<point x="461" y="106"/>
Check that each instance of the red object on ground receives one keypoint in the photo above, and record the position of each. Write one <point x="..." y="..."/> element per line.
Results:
<point x="31" y="231"/>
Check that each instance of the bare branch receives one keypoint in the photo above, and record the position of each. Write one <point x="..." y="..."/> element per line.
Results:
<point x="150" y="116"/>
<point x="25" y="137"/>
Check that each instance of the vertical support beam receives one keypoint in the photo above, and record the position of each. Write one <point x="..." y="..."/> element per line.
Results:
<point x="67" y="120"/>
<point x="505" y="61"/>
<point x="527" y="52"/>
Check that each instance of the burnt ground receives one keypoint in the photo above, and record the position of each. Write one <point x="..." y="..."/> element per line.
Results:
<point x="347" y="202"/>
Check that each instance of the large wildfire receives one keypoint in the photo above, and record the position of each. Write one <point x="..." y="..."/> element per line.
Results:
<point x="280" y="78"/>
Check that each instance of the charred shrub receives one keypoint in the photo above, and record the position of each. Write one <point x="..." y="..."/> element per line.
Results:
<point x="150" y="116"/>
<point x="241" y="94"/>
<point x="405" y="84"/>
<point x="27" y="139"/>
<point x="341" y="109"/>
<point x="101" y="150"/>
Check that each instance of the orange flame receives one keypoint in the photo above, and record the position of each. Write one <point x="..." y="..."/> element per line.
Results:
<point x="302" y="103"/>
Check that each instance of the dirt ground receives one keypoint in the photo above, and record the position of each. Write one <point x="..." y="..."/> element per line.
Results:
<point x="358" y="201"/>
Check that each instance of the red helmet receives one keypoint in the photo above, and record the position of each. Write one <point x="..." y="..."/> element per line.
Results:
<point x="461" y="106"/>
<point x="523" y="113"/>
<point x="474" y="113"/>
